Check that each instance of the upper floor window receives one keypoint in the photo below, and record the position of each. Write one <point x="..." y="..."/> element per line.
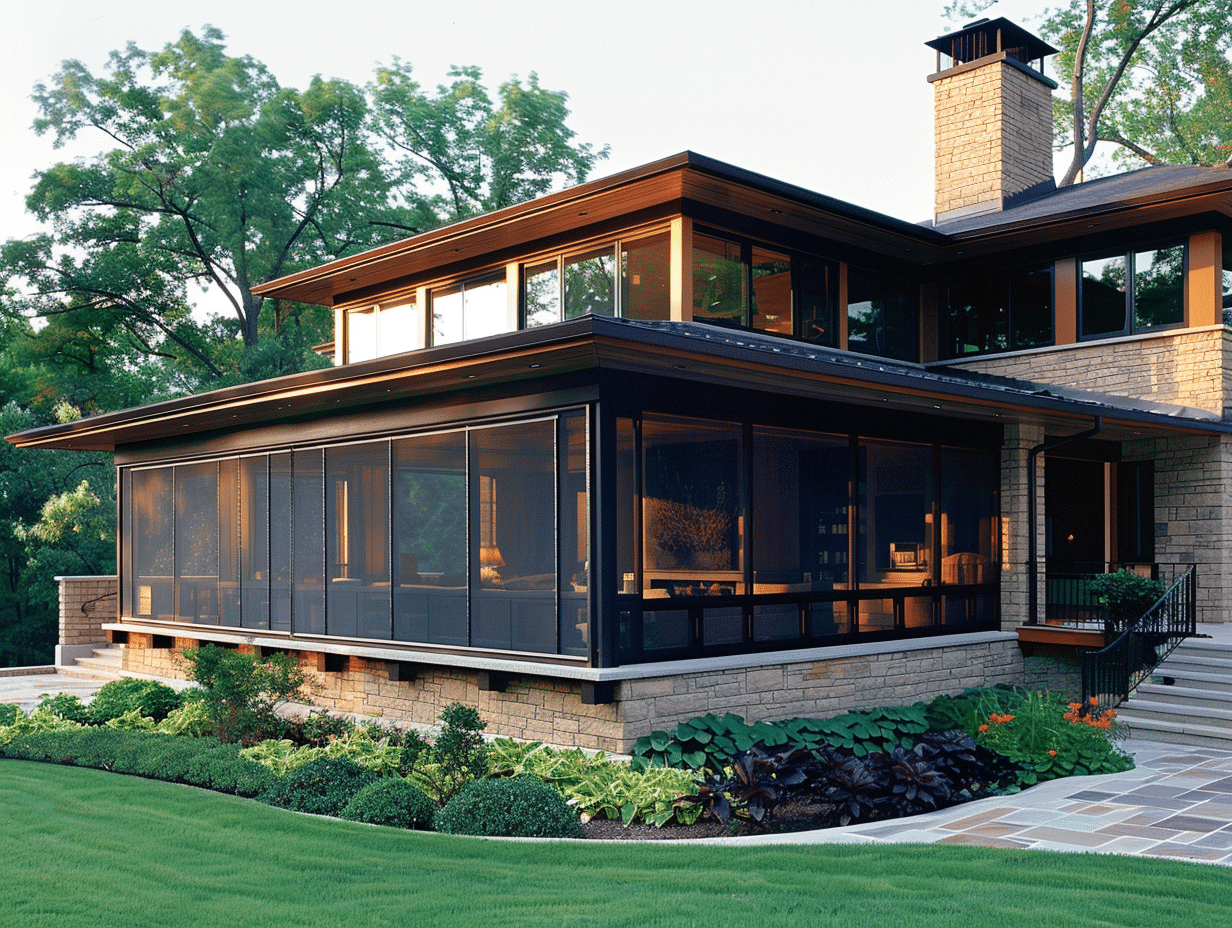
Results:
<point x="1132" y="292"/>
<point x="470" y="309"/>
<point x="747" y="285"/>
<point x="1002" y="311"/>
<point x="882" y="315"/>
<point x="374" y="331"/>
<point x="628" y="278"/>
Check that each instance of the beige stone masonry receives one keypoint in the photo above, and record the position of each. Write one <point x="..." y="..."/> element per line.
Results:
<point x="85" y="604"/>
<point x="543" y="709"/>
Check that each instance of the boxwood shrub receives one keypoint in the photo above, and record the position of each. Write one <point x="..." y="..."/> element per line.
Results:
<point x="149" y="697"/>
<point x="395" y="802"/>
<point x="323" y="787"/>
<point x="518" y="807"/>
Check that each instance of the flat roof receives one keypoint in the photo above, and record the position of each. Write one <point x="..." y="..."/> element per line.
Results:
<point x="691" y="351"/>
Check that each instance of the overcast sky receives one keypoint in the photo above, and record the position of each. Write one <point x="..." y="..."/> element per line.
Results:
<point x="827" y="94"/>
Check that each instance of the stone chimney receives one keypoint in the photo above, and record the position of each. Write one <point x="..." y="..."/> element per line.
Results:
<point x="992" y="122"/>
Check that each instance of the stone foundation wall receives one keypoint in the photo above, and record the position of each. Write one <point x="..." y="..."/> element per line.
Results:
<point x="85" y="604"/>
<point x="551" y="710"/>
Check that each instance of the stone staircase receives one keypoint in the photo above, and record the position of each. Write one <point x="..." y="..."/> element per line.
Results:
<point x="1188" y="699"/>
<point x="103" y="664"/>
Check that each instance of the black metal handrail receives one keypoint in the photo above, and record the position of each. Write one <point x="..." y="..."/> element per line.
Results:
<point x="1069" y="599"/>
<point x="1113" y="672"/>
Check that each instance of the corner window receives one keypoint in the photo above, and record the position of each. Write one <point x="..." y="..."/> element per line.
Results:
<point x="587" y="283"/>
<point x="1133" y="292"/>
<point x="471" y="309"/>
<point x="998" y="312"/>
<point x="882" y="315"/>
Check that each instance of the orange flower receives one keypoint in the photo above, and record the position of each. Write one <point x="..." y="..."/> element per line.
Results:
<point x="1052" y="753"/>
<point x="982" y="729"/>
<point x="1094" y="700"/>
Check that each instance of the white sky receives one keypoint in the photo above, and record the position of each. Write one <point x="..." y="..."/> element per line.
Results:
<point x="827" y="94"/>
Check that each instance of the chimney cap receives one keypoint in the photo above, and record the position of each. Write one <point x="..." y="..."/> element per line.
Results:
<point x="988" y="37"/>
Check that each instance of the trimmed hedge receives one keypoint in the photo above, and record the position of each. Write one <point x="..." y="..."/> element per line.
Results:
<point x="518" y="807"/>
<point x="322" y="787"/>
<point x="394" y="802"/>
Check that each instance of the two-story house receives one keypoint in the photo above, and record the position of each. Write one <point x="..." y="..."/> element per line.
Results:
<point x="688" y="439"/>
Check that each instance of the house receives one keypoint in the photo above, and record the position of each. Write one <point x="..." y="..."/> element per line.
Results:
<point x="687" y="438"/>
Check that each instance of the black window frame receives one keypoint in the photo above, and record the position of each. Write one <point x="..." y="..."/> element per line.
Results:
<point x="1129" y="324"/>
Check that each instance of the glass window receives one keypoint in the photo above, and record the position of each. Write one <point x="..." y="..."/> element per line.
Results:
<point x="357" y="540"/>
<point x="361" y="334"/>
<point x="1031" y="315"/>
<point x="513" y="537"/>
<point x="590" y="283"/>
<point x="542" y="294"/>
<point x="645" y="278"/>
<point x="1159" y="287"/>
<point x="819" y="301"/>
<point x="969" y="530"/>
<point x="978" y="314"/>
<point x="896" y="491"/>
<point x="429" y="538"/>
<point x="882" y="315"/>
<point x="692" y="507"/>
<point x="719" y="281"/>
<point x="472" y="309"/>
<point x="1103" y="296"/>
<point x="772" y="307"/>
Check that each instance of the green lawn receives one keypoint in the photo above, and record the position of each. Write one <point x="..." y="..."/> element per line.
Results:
<point x="85" y="848"/>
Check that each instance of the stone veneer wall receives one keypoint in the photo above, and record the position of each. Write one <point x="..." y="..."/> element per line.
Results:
<point x="1187" y="368"/>
<point x="85" y="604"/>
<point x="551" y="710"/>
<point x="992" y="128"/>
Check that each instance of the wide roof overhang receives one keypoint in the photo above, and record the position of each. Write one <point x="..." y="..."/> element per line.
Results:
<point x="684" y="351"/>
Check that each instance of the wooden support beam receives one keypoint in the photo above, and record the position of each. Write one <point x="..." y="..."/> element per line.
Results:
<point x="598" y="694"/>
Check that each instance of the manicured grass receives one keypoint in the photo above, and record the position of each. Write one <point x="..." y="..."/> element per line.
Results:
<point x="84" y="848"/>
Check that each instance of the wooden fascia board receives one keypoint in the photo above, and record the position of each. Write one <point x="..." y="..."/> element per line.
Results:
<point x="661" y="361"/>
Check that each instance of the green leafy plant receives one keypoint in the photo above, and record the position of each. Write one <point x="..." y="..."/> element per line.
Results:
<point x="1125" y="596"/>
<point x="10" y="712"/>
<point x="323" y="787"/>
<point x="132" y="720"/>
<point x="149" y="697"/>
<point x="241" y="692"/>
<point x="395" y="802"/>
<point x="69" y="708"/>
<point x="522" y="807"/>
<point x="192" y="719"/>
<point x="600" y="787"/>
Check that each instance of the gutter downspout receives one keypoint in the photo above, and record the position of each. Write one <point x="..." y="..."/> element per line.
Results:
<point x="1032" y="543"/>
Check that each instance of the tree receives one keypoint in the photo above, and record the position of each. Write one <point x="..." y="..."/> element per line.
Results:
<point x="1153" y="77"/>
<point x="214" y="176"/>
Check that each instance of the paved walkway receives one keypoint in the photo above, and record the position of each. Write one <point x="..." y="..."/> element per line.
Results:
<point x="1177" y="802"/>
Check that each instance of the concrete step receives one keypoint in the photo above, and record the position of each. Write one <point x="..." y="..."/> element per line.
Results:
<point x="1183" y="695"/>
<point x="1141" y="709"/>
<point x="1200" y="660"/>
<point x="1174" y="732"/>
<point x="103" y="664"/>
<point x="1187" y="676"/>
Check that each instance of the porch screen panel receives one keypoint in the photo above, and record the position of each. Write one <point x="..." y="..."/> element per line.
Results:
<point x="692" y="508"/>
<point x="429" y="539"/>
<point x="574" y="509"/>
<point x="125" y="565"/>
<point x="970" y="542"/>
<point x="255" y="538"/>
<point x="308" y="546"/>
<point x="896" y="498"/>
<point x="801" y="488"/>
<point x="153" y="519"/>
<point x="357" y="540"/>
<point x="196" y="542"/>
<point x="513" y="578"/>
<point x="281" y="527"/>
<point x="229" y="542"/>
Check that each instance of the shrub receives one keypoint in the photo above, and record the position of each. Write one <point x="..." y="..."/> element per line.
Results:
<point x="1125" y="596"/>
<point x="69" y="708"/>
<point x="519" y="807"/>
<point x="458" y="754"/>
<point x="241" y="692"/>
<point x="10" y="712"/>
<point x="323" y="787"/>
<point x="148" y="697"/>
<point x="394" y="802"/>
<point x="192" y="719"/>
<point x="221" y="768"/>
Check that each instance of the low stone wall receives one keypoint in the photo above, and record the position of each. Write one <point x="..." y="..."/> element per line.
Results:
<point x="551" y="710"/>
<point x="85" y="604"/>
